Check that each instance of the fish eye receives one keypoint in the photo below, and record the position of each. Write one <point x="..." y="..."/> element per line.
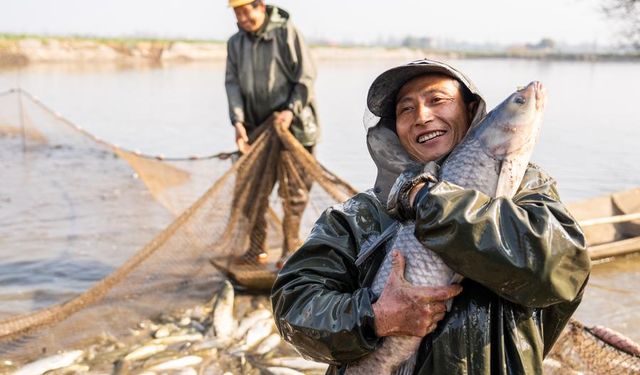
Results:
<point x="520" y="100"/>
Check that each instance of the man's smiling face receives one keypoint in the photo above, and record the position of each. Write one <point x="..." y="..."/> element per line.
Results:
<point x="250" y="18"/>
<point x="431" y="116"/>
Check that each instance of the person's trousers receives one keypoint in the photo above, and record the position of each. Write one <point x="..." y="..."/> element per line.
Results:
<point x="293" y="189"/>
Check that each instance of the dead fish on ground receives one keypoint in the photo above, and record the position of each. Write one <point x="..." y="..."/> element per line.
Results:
<point x="184" y="322"/>
<point x="73" y="369"/>
<point x="145" y="352"/>
<point x="187" y="371"/>
<point x="175" y="339"/>
<point x="224" y="323"/>
<point x="214" y="343"/>
<point x="177" y="363"/>
<point x="282" y="371"/>
<point x="249" y="321"/>
<point x="298" y="363"/>
<point x="165" y="331"/>
<point x="50" y="363"/>
<point x="492" y="158"/>
<point x="268" y="344"/>
<point x="256" y="334"/>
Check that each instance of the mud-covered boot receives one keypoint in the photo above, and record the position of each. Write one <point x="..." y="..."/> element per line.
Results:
<point x="256" y="254"/>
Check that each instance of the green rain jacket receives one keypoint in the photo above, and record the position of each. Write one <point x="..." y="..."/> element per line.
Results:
<point x="524" y="260"/>
<point x="272" y="70"/>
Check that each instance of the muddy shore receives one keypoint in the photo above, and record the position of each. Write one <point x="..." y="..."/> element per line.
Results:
<point x="39" y="50"/>
<point x="230" y="334"/>
<point x="26" y="50"/>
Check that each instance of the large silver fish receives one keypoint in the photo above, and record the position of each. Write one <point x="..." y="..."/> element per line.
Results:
<point x="492" y="158"/>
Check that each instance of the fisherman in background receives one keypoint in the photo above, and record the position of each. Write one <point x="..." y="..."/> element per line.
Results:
<point x="524" y="258"/>
<point x="270" y="73"/>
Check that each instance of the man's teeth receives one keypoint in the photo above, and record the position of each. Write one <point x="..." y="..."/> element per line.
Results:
<point x="430" y="136"/>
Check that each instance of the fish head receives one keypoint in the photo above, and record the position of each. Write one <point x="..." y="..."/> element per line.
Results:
<point x="515" y="123"/>
<point x="527" y="101"/>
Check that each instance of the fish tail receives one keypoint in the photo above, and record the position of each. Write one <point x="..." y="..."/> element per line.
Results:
<point x="407" y="367"/>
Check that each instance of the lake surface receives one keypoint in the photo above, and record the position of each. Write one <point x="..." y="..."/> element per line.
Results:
<point x="589" y="140"/>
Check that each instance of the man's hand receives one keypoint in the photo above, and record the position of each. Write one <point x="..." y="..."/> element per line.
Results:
<point x="284" y="118"/>
<point x="407" y="310"/>
<point x="242" y="140"/>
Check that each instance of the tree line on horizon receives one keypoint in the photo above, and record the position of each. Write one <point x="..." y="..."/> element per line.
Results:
<point x="627" y="12"/>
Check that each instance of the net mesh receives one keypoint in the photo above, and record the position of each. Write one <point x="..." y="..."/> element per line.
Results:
<point x="594" y="350"/>
<point x="165" y="233"/>
<point x="169" y="268"/>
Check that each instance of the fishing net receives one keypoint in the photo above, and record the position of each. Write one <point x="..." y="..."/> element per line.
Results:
<point x="114" y="203"/>
<point x="593" y="350"/>
<point x="152" y="235"/>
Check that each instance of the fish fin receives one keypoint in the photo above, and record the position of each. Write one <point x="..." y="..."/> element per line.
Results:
<point x="505" y="183"/>
<point x="512" y="171"/>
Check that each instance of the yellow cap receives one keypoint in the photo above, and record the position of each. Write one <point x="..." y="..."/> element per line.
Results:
<point x="239" y="3"/>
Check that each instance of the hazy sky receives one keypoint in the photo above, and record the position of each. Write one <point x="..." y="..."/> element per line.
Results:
<point x="503" y="21"/>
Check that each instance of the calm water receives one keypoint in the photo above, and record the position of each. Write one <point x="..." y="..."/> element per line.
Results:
<point x="589" y="140"/>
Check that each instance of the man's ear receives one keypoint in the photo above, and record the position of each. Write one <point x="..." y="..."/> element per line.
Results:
<point x="472" y="107"/>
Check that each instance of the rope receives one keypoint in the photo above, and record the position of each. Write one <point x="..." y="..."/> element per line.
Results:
<point x="59" y="116"/>
<point x="7" y="92"/>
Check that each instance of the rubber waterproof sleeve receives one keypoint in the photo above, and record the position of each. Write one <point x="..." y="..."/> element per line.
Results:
<point x="232" y="86"/>
<point x="528" y="250"/>
<point x="317" y="300"/>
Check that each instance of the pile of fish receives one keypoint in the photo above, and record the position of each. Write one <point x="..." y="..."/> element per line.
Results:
<point x="227" y="335"/>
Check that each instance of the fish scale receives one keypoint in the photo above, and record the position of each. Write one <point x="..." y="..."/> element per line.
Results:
<point x="425" y="265"/>
<point x="492" y="158"/>
<point x="471" y="167"/>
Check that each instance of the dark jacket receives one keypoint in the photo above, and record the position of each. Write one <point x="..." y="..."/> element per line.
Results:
<point x="524" y="261"/>
<point x="272" y="70"/>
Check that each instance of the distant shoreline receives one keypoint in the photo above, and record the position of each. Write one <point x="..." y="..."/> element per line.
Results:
<point x="19" y="50"/>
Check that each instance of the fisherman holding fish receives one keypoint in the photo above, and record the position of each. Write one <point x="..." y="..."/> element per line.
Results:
<point x="520" y="255"/>
<point x="270" y="74"/>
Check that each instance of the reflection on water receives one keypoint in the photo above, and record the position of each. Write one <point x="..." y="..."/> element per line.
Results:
<point x="588" y="143"/>
<point x="612" y="297"/>
<point x="70" y="211"/>
<point x="29" y="285"/>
